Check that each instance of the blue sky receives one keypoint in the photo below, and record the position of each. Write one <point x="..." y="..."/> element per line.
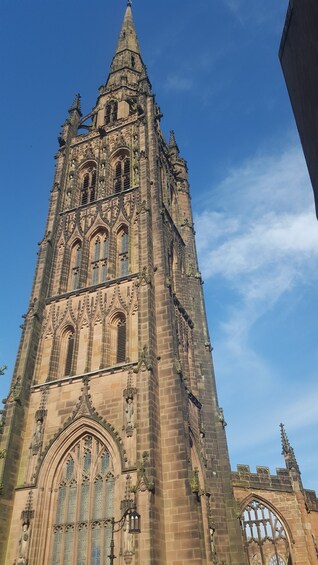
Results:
<point x="215" y="71"/>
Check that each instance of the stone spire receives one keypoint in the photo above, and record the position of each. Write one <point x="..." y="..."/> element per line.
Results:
<point x="127" y="68"/>
<point x="288" y="452"/>
<point x="128" y="36"/>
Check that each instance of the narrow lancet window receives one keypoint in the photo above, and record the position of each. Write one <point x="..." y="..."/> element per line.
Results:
<point x="111" y="112"/>
<point x="76" y="257"/>
<point x="122" y="180"/>
<point x="88" y="184"/>
<point x="123" y="252"/>
<point x="69" y="353"/>
<point x="99" y="261"/>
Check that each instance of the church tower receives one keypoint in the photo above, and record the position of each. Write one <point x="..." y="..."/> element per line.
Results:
<point x="112" y="412"/>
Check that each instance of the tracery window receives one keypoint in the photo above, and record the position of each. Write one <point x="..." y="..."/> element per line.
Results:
<point x="265" y="537"/>
<point x="83" y="505"/>
<point x="76" y="257"/>
<point x="99" y="258"/>
<point x="276" y="560"/>
<point x="123" y="251"/>
<point x="111" y="112"/>
<point x="122" y="174"/>
<point x="88" y="184"/>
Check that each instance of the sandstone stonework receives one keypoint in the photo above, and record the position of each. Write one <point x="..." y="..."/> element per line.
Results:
<point x="113" y="400"/>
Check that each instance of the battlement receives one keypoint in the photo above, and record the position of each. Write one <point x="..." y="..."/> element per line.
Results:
<point x="311" y="500"/>
<point x="262" y="479"/>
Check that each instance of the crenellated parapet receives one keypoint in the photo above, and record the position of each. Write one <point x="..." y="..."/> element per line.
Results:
<point x="262" y="479"/>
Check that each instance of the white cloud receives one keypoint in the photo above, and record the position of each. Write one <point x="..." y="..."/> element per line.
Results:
<point x="178" y="82"/>
<point x="264" y="237"/>
<point x="246" y="10"/>
<point x="257" y="238"/>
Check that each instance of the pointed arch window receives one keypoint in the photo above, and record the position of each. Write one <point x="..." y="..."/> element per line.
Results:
<point x="122" y="174"/>
<point x="84" y="505"/>
<point x="111" y="112"/>
<point x="121" y="341"/>
<point x="99" y="257"/>
<point x="76" y="258"/>
<point x="88" y="184"/>
<point x="118" y="339"/>
<point x="123" y="251"/>
<point x="266" y="540"/>
<point x="67" y="352"/>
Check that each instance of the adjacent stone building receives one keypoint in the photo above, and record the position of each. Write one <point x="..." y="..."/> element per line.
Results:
<point x="299" y="59"/>
<point x="112" y="423"/>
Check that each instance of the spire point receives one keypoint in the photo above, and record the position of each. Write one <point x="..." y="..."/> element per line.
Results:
<point x="285" y="440"/>
<point x="288" y="452"/>
<point x="173" y="144"/>
<point x="76" y="103"/>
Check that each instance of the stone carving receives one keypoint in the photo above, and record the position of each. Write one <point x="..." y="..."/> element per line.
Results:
<point x="24" y="541"/>
<point x="129" y="412"/>
<point x="212" y="543"/>
<point x="129" y="409"/>
<point x="144" y="362"/>
<point x="144" y="482"/>
<point x="128" y="538"/>
<point x="314" y="539"/>
<point x="220" y="416"/>
<point x="37" y="437"/>
<point x="15" y="392"/>
<point x="195" y="482"/>
<point x="24" y="545"/>
<point x="203" y="447"/>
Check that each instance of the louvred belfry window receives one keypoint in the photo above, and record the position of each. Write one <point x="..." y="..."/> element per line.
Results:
<point x="84" y="500"/>
<point x="111" y="112"/>
<point x="122" y="175"/>
<point x="266" y="540"/>
<point x="99" y="260"/>
<point x="88" y="184"/>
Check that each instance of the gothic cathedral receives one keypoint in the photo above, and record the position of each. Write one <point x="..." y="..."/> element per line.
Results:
<point x="112" y="443"/>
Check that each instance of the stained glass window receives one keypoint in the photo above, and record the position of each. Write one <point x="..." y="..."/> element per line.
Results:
<point x="84" y="506"/>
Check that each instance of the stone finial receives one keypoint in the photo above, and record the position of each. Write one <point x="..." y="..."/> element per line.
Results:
<point x="172" y="142"/>
<point x="285" y="440"/>
<point x="288" y="452"/>
<point x="76" y="104"/>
